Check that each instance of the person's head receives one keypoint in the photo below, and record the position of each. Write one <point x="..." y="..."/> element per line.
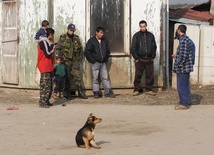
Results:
<point x="59" y="59"/>
<point x="70" y="29"/>
<point x="50" y="33"/>
<point x="45" y="24"/>
<point x="99" y="32"/>
<point x="181" y="30"/>
<point x="143" y="25"/>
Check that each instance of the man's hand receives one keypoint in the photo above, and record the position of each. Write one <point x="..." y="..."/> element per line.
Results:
<point x="173" y="55"/>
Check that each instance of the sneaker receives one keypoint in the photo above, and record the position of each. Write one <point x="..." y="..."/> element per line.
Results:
<point x="110" y="94"/>
<point x="151" y="93"/>
<point x="61" y="95"/>
<point x="135" y="93"/>
<point x="181" y="107"/>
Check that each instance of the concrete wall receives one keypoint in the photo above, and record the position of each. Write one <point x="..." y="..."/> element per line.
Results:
<point x="121" y="69"/>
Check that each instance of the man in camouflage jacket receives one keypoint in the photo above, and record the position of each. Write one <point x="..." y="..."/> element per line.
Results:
<point x="70" y="47"/>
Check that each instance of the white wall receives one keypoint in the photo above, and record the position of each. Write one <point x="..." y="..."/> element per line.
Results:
<point x="31" y="14"/>
<point x="149" y="10"/>
<point x="1" y="41"/>
<point x="66" y="12"/>
<point x="206" y="67"/>
<point x="203" y="38"/>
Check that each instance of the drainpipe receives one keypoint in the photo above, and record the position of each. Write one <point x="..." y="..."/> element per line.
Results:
<point x="166" y="43"/>
<point x="51" y="12"/>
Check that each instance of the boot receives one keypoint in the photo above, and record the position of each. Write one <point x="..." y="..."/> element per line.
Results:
<point x="68" y="96"/>
<point x="81" y="94"/>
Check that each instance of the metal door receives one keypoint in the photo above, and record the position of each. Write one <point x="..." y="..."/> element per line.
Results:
<point x="10" y="42"/>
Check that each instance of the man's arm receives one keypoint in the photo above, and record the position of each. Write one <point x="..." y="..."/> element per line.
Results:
<point x="183" y="53"/>
<point x="134" y="48"/>
<point x="88" y="52"/>
<point x="154" y="47"/>
<point x="48" y="50"/>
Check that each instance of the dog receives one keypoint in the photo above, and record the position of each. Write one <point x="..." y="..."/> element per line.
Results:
<point x="85" y="136"/>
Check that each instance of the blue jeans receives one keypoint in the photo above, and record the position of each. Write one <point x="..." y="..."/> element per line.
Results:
<point x="183" y="87"/>
<point x="99" y="70"/>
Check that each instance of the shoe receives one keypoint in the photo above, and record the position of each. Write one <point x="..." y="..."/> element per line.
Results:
<point x="61" y="95"/>
<point x="110" y="94"/>
<point x="100" y="94"/>
<point x="181" y="107"/>
<point x="49" y="104"/>
<point x="177" y="104"/>
<point x="44" y="106"/>
<point x="135" y="93"/>
<point x="96" y="95"/>
<point x="151" y="93"/>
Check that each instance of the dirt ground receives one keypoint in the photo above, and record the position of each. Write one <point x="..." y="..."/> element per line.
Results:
<point x="130" y="126"/>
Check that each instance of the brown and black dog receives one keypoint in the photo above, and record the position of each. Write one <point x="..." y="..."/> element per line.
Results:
<point x="85" y="136"/>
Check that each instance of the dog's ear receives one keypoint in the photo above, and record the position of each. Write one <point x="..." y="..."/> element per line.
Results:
<point x="90" y="119"/>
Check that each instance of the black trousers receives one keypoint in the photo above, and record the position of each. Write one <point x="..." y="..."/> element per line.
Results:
<point x="140" y="66"/>
<point x="60" y="84"/>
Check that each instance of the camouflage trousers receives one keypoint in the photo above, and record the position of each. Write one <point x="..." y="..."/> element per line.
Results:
<point x="74" y="75"/>
<point x="45" y="88"/>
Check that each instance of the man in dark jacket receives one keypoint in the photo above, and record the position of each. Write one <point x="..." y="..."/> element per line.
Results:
<point x="143" y="51"/>
<point x="97" y="53"/>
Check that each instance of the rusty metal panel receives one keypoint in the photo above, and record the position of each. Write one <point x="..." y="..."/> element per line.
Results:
<point x="10" y="42"/>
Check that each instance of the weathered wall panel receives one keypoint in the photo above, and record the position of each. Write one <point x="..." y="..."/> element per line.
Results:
<point x="1" y="42"/>
<point x="31" y="14"/>
<point x="66" y="12"/>
<point x="149" y="10"/>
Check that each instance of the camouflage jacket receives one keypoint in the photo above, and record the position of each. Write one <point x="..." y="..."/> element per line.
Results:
<point x="69" y="48"/>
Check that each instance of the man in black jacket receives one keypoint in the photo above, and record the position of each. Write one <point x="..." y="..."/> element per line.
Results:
<point x="97" y="53"/>
<point x="143" y="51"/>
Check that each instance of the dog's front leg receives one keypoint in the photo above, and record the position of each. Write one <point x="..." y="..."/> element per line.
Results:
<point x="86" y="143"/>
<point x="93" y="143"/>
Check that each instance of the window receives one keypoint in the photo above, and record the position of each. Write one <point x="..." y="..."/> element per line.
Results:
<point x="113" y="15"/>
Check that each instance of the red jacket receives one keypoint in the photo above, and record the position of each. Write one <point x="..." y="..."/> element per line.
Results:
<point x="45" y="61"/>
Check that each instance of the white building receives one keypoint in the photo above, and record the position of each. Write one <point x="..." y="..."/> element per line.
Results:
<point x="20" y="19"/>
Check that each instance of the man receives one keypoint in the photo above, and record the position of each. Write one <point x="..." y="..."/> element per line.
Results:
<point x="70" y="47"/>
<point x="143" y="51"/>
<point x="183" y="65"/>
<point x="97" y="53"/>
<point x="45" y="65"/>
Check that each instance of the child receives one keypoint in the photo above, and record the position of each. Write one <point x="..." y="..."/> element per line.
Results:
<point x="59" y="76"/>
<point x="41" y="33"/>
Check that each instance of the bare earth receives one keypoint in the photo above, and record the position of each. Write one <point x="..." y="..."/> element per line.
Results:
<point x="142" y="125"/>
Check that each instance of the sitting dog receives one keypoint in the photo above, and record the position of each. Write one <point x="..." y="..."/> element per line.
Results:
<point x="85" y="136"/>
